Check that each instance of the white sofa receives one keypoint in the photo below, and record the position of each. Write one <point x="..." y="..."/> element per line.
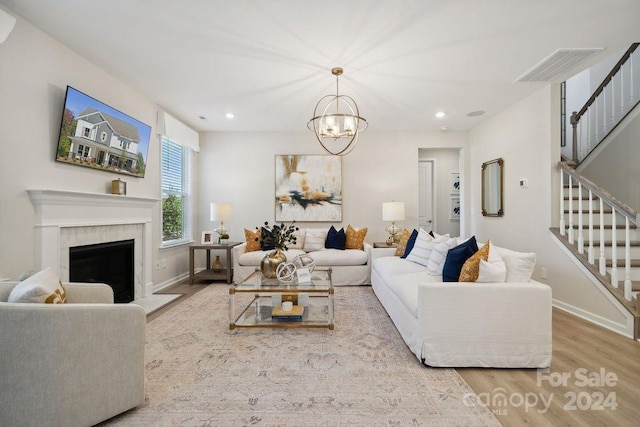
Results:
<point x="349" y="266"/>
<point x="454" y="324"/>
<point x="73" y="364"/>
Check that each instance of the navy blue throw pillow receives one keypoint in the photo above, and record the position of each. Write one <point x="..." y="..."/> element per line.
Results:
<point x="410" y="243"/>
<point x="266" y="241"/>
<point x="336" y="239"/>
<point x="456" y="258"/>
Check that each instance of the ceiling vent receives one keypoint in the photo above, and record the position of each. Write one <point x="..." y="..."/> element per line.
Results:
<point x="556" y="64"/>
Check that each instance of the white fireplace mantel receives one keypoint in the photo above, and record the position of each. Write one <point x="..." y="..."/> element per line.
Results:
<point x="59" y="209"/>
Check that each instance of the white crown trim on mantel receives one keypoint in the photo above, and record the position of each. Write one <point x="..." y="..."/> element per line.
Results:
<point x="58" y="209"/>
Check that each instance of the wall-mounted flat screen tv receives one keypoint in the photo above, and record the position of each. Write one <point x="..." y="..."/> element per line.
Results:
<point x="97" y="136"/>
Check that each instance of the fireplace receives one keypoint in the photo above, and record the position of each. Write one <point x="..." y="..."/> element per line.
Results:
<point x="67" y="219"/>
<point x="111" y="263"/>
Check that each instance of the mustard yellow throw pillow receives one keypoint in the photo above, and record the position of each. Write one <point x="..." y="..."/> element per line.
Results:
<point x="355" y="238"/>
<point x="402" y="244"/>
<point x="42" y="287"/>
<point x="471" y="267"/>
<point x="253" y="239"/>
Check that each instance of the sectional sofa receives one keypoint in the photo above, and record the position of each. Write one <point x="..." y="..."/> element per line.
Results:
<point x="454" y="324"/>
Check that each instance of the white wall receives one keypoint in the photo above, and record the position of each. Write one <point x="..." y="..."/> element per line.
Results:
<point x="615" y="167"/>
<point x="526" y="136"/>
<point x="34" y="73"/>
<point x="446" y="161"/>
<point x="240" y="168"/>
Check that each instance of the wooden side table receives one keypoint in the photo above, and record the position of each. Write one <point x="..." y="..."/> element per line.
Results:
<point x="208" y="273"/>
<point x="384" y="245"/>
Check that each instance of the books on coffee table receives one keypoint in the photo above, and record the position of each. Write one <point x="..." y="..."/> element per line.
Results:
<point x="295" y="313"/>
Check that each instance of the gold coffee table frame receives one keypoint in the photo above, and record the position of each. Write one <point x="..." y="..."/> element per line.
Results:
<point x="316" y="297"/>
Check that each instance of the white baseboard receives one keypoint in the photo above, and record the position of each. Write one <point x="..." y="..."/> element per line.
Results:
<point x="620" y="328"/>
<point x="159" y="286"/>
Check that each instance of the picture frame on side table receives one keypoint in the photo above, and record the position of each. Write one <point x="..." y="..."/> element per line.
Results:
<point x="207" y="238"/>
<point x="454" y="210"/>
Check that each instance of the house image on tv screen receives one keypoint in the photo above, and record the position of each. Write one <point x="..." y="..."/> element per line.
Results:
<point x="105" y="140"/>
<point x="97" y="139"/>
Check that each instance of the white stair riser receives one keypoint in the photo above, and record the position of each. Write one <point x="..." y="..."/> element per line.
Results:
<point x="620" y="234"/>
<point x="596" y="219"/>
<point x="575" y="205"/>
<point x="634" y="251"/>
<point x="634" y="275"/>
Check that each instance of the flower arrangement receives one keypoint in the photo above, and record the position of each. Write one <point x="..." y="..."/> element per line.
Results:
<point x="278" y="236"/>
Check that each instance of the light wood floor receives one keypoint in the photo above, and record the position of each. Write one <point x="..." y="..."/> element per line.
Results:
<point x="581" y="352"/>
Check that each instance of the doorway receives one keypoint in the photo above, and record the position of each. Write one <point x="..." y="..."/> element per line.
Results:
<point x="440" y="190"/>
<point x="426" y="200"/>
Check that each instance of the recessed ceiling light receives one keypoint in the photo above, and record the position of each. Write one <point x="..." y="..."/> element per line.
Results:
<point x="229" y="116"/>
<point x="202" y="118"/>
<point x="444" y="128"/>
<point x="475" y="113"/>
<point x="440" y="114"/>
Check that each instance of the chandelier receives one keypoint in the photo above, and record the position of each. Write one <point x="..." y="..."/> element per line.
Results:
<point x="336" y="121"/>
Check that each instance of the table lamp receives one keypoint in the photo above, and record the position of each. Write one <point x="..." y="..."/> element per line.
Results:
<point x="393" y="211"/>
<point x="221" y="212"/>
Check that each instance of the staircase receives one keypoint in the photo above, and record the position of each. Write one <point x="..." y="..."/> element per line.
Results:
<point x="603" y="234"/>
<point x="610" y="103"/>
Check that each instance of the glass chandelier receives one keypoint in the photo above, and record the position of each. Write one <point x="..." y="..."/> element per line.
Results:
<point x="336" y="121"/>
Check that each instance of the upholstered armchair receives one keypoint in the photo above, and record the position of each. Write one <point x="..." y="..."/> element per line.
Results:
<point x="73" y="364"/>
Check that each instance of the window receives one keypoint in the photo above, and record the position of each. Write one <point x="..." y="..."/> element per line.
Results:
<point x="176" y="193"/>
<point x="83" y="151"/>
<point x="86" y="132"/>
<point x="103" y="136"/>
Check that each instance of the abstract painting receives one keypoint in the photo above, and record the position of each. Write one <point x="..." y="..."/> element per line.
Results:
<point x="308" y="188"/>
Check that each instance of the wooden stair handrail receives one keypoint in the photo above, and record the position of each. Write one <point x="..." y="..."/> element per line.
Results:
<point x="577" y="115"/>
<point x="619" y="206"/>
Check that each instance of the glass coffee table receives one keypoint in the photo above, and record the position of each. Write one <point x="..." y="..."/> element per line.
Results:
<point x="312" y="302"/>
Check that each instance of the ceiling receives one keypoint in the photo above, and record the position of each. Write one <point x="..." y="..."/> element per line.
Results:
<point x="269" y="62"/>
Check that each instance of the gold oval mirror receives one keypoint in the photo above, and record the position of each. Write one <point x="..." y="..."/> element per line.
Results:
<point x="492" y="188"/>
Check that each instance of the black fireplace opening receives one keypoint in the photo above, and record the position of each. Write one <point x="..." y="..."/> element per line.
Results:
<point x="111" y="263"/>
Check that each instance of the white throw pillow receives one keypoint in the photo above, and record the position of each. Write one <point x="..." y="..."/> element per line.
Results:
<point x="520" y="265"/>
<point x="493" y="270"/>
<point x="299" y="244"/>
<point x="314" y="239"/>
<point x="491" y="273"/>
<point x="423" y="247"/>
<point x="42" y="287"/>
<point x="439" y="256"/>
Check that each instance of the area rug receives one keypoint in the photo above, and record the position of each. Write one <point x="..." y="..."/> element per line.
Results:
<point x="199" y="373"/>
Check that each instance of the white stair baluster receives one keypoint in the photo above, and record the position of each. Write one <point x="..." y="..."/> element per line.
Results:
<point x="602" y="267"/>
<point x="614" y="247"/>
<point x="580" y="235"/>
<point x="627" y="261"/>
<point x="563" y="231"/>
<point x="570" y="210"/>
<point x="590" y="250"/>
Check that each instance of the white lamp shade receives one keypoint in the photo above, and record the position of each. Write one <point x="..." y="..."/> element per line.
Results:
<point x="221" y="211"/>
<point x="393" y="211"/>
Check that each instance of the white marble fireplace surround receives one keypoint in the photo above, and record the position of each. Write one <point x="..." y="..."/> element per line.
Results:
<point x="64" y="219"/>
